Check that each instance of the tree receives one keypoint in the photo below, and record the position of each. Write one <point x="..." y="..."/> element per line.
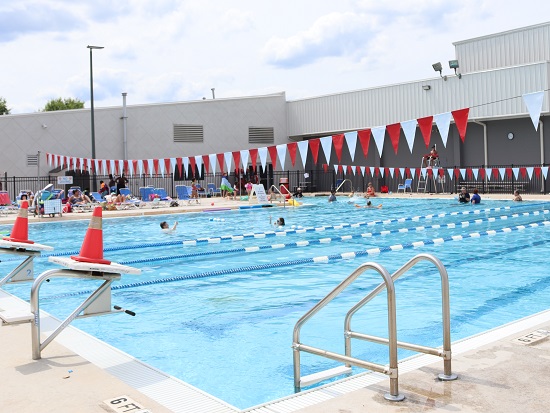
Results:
<point x="4" y="107"/>
<point x="63" y="104"/>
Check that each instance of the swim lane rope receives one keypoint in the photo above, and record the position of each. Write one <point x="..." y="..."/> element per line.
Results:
<point x="320" y="259"/>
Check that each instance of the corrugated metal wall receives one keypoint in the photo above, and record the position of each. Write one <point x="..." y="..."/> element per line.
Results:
<point x="489" y="94"/>
<point x="515" y="47"/>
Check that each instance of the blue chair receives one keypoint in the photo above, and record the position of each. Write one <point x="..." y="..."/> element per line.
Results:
<point x="212" y="190"/>
<point x="183" y="192"/>
<point x="407" y="184"/>
<point x="146" y="193"/>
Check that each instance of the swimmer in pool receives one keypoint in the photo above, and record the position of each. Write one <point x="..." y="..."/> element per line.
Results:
<point x="166" y="228"/>
<point x="369" y="205"/>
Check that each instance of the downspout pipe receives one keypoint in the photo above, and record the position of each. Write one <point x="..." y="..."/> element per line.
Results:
<point x="541" y="135"/>
<point x="124" y="126"/>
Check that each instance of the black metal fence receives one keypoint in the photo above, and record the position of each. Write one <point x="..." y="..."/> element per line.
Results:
<point x="500" y="179"/>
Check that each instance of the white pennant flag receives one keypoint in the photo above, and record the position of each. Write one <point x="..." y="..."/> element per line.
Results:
<point x="450" y="172"/>
<point x="423" y="172"/>
<point x="533" y="101"/>
<point x="228" y="156"/>
<point x="150" y="166"/>
<point x="475" y="172"/>
<point x="131" y="167"/>
<point x="362" y="170"/>
<point x="140" y="166"/>
<point x="463" y="173"/>
<point x="336" y="169"/>
<point x="502" y="172"/>
<point x="185" y="160"/>
<point x="371" y="168"/>
<point x="516" y="172"/>
<point x="488" y="172"/>
<point x="378" y="135"/>
<point x="245" y="153"/>
<point x="443" y="122"/>
<point x="96" y="164"/>
<point x="391" y="172"/>
<point x="544" y="170"/>
<point x="198" y="162"/>
<point x="212" y="158"/>
<point x="353" y="170"/>
<point x="121" y="166"/>
<point x="402" y="172"/>
<point x="326" y="144"/>
<point x="344" y="170"/>
<point x="302" y="148"/>
<point x="112" y="167"/>
<point x="409" y="129"/>
<point x="530" y="170"/>
<point x="381" y="170"/>
<point x="281" y="153"/>
<point x="104" y="162"/>
<point x="161" y="167"/>
<point x="89" y="164"/>
<point x="262" y="152"/>
<point x="173" y="164"/>
<point x="351" y="141"/>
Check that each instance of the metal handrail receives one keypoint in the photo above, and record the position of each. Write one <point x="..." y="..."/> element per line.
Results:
<point x="392" y="333"/>
<point x="445" y="353"/>
<point x="342" y="184"/>
<point x="391" y="341"/>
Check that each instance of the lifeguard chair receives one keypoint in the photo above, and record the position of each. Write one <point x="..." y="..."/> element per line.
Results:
<point x="429" y="161"/>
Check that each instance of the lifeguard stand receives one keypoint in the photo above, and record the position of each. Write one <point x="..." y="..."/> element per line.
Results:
<point x="428" y="162"/>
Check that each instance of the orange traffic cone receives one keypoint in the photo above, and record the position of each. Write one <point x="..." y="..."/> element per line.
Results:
<point x="92" y="247"/>
<point x="20" y="231"/>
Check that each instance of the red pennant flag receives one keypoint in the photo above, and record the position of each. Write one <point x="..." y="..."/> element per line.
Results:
<point x="338" y="142"/>
<point x="325" y="167"/>
<point x="364" y="140"/>
<point x="273" y="155"/>
<point x="125" y="166"/>
<point x="461" y="120"/>
<point x="220" y="161"/>
<point x="179" y="162"/>
<point x="408" y="172"/>
<point x="145" y="167"/>
<point x="340" y="169"/>
<point x="430" y="172"/>
<point x="537" y="170"/>
<point x="292" y="148"/>
<point x="77" y="165"/>
<point x="441" y="172"/>
<point x="237" y="159"/>
<point x="156" y="166"/>
<point x="48" y="159"/>
<point x="314" y="146"/>
<point x="425" y="125"/>
<point x="134" y="163"/>
<point x="396" y="172"/>
<point x="509" y="173"/>
<point x="457" y="173"/>
<point x="377" y="171"/>
<point x="469" y="173"/>
<point x="482" y="173"/>
<point x="206" y="163"/>
<point x="394" y="131"/>
<point x="167" y="165"/>
<point x="495" y="173"/>
<point x="193" y="164"/>
<point x="253" y="157"/>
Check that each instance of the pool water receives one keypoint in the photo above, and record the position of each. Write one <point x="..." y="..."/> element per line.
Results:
<point x="221" y="318"/>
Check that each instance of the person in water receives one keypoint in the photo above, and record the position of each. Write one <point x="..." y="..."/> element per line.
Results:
<point x="166" y="228"/>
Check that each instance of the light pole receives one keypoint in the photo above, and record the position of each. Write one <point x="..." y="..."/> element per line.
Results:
<point x="94" y="184"/>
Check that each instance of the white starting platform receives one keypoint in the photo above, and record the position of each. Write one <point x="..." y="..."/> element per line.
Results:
<point x="24" y="272"/>
<point x="98" y="303"/>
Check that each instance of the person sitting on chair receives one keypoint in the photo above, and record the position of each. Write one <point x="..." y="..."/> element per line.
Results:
<point x="77" y="198"/>
<point x="431" y="157"/>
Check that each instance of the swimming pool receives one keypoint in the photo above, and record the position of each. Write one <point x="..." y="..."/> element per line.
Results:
<point x="224" y="320"/>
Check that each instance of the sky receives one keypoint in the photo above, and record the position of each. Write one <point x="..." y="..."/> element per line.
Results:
<point x="160" y="51"/>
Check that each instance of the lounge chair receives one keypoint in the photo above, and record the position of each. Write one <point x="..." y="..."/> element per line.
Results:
<point x="213" y="190"/>
<point x="6" y="204"/>
<point x="184" y="194"/>
<point x="161" y="192"/>
<point x="146" y="193"/>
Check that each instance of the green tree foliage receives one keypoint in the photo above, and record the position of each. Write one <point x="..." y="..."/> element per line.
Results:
<point x="63" y="104"/>
<point x="3" y="107"/>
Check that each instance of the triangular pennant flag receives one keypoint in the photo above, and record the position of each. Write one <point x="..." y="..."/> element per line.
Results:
<point x="461" y="121"/>
<point x="394" y="132"/>
<point x="509" y="173"/>
<point x="362" y="170"/>
<point x="488" y="172"/>
<point x="338" y="142"/>
<point x="391" y="170"/>
<point x="351" y="169"/>
<point x="220" y="158"/>
<point x="482" y="173"/>
<point x="443" y="122"/>
<point x="244" y="158"/>
<point x="237" y="159"/>
<point x="325" y="167"/>
<point x="502" y="172"/>
<point x="529" y="171"/>
<point x="281" y="152"/>
<point x="198" y="162"/>
<point x="364" y="139"/>
<point x="121" y="166"/>
<point x="206" y="163"/>
<point x="537" y="171"/>
<point x="523" y="172"/>
<point x="380" y="171"/>
<point x="351" y="141"/>
<point x="423" y="172"/>
<point x="253" y="157"/>
<point x="227" y="158"/>
<point x="336" y="168"/>
<point x="402" y="172"/>
<point x="167" y="166"/>
<point x="150" y="167"/>
<point x="463" y="172"/>
<point x="185" y="160"/>
<point x="263" y="156"/>
<point x="292" y="147"/>
<point x="378" y="135"/>
<point x="516" y="172"/>
<point x="273" y="156"/>
<point x="193" y="164"/>
<point x="96" y="165"/>
<point x="475" y="171"/>
<point x="179" y="163"/>
<point x="425" y="125"/>
<point x="371" y="169"/>
<point x="112" y="167"/>
<point x="302" y="148"/>
<point x="212" y="159"/>
<point x="89" y="164"/>
<point x="173" y="163"/>
<point x="544" y="170"/>
<point x="314" y="146"/>
<point x="140" y="166"/>
<point x="48" y="161"/>
<point x="326" y="144"/>
<point x="534" y="101"/>
<point x="409" y="130"/>
<point x="133" y="169"/>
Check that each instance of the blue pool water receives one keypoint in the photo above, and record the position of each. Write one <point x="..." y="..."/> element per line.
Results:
<point x="224" y="320"/>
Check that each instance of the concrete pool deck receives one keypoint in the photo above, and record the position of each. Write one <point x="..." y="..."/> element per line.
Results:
<point x="500" y="374"/>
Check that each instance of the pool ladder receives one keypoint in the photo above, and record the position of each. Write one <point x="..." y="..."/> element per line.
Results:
<point x="391" y="370"/>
